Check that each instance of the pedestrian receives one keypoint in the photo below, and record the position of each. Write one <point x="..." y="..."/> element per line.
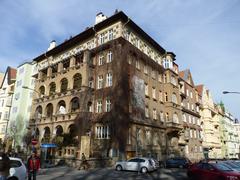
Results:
<point x="4" y="166"/>
<point x="33" y="165"/>
<point x="84" y="162"/>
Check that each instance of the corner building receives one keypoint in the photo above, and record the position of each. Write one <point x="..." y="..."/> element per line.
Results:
<point x="112" y="89"/>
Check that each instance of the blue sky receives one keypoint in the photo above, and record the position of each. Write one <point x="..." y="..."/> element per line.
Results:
<point x="204" y="34"/>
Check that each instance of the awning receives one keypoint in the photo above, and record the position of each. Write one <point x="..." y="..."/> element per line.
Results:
<point x="48" y="145"/>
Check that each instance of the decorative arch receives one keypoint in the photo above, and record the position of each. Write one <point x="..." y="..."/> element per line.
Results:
<point x="64" y="85"/>
<point x="52" y="88"/>
<point x="38" y="112"/>
<point x="75" y="105"/>
<point x="61" y="107"/>
<point x="72" y="130"/>
<point x="42" y="90"/>
<point x="77" y="81"/>
<point x="59" y="130"/>
<point x="49" y="110"/>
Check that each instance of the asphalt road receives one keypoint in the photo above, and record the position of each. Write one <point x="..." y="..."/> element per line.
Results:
<point x="67" y="173"/>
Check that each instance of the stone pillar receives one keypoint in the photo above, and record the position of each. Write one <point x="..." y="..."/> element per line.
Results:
<point x="72" y="61"/>
<point x="60" y="67"/>
<point x="49" y="72"/>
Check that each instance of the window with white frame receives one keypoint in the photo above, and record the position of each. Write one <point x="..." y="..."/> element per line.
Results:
<point x="154" y="93"/>
<point x="188" y="105"/>
<point x="160" y="96"/>
<point x="145" y="69"/>
<point x="146" y="89"/>
<point x="192" y="107"/>
<point x="200" y="149"/>
<point x="174" y="98"/>
<point x="3" y="130"/>
<point x="167" y="63"/>
<point x="175" y="118"/>
<point x="193" y="120"/>
<point x="154" y="114"/>
<point x="187" y="92"/>
<point x="137" y="43"/>
<point x="110" y="34"/>
<point x="191" y="94"/>
<point x="191" y="133"/>
<point x="100" y="82"/>
<point x="109" y="79"/>
<point x="108" y="105"/>
<point x="184" y="117"/>
<point x="102" y="37"/>
<point x="197" y="108"/>
<point x="190" y="119"/>
<point x="161" y="116"/>
<point x="109" y="57"/>
<point x="195" y="134"/>
<point x="146" y="112"/>
<point x="102" y="132"/>
<point x="137" y="64"/>
<point x="148" y="137"/>
<point x="99" y="106"/>
<point x="100" y="60"/>
<point x="186" y="149"/>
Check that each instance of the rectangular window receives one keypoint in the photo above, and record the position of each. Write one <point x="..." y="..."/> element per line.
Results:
<point x="99" y="106"/>
<point x="109" y="79"/>
<point x="146" y="89"/>
<point x="102" y="36"/>
<point x="108" y="105"/>
<point x="100" y="60"/>
<point x="145" y="69"/>
<point x="110" y="34"/>
<point x="137" y="43"/>
<point x="160" y="96"/>
<point x="148" y="137"/>
<point x="153" y="93"/>
<point x="102" y="132"/>
<point x="3" y="130"/>
<point x="161" y="116"/>
<point x="146" y="112"/>
<point x="19" y="83"/>
<point x="109" y="57"/>
<point x="154" y="114"/>
<point x="100" y="82"/>
<point x="137" y="64"/>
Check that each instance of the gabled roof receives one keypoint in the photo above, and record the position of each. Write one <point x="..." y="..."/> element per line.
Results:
<point x="10" y="74"/>
<point x="186" y="76"/>
<point x="90" y="32"/>
<point x="199" y="89"/>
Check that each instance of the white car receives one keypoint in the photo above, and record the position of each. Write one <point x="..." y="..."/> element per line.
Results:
<point x="17" y="170"/>
<point x="141" y="164"/>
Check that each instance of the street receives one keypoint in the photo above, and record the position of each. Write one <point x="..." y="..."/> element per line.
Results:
<point x="67" y="173"/>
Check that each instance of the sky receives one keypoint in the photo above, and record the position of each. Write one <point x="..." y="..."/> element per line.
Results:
<point x="204" y="34"/>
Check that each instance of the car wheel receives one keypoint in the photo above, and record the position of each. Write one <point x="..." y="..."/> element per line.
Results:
<point x="119" y="168"/>
<point x="144" y="170"/>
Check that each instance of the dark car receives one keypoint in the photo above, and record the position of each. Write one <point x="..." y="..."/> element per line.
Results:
<point x="212" y="171"/>
<point x="179" y="162"/>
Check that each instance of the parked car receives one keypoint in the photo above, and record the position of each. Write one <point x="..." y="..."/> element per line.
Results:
<point x="155" y="163"/>
<point x="177" y="162"/>
<point x="212" y="171"/>
<point x="17" y="170"/>
<point x="143" y="165"/>
<point x="232" y="165"/>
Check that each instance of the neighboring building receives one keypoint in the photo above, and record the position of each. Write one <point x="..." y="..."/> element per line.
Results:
<point x="1" y="77"/>
<point x="6" y="93"/>
<point x="113" y="89"/>
<point x="21" y="103"/>
<point x="192" y="131"/>
<point x="237" y="136"/>
<point x="210" y="120"/>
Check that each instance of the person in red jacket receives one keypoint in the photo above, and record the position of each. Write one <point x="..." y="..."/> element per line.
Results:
<point x="33" y="165"/>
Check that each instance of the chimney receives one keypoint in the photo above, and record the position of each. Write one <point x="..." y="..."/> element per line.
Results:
<point x="52" y="45"/>
<point x="100" y="17"/>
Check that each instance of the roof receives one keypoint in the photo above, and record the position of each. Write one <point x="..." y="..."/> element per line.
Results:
<point x="120" y="16"/>
<point x="199" y="89"/>
<point x="186" y="76"/>
<point x="11" y="72"/>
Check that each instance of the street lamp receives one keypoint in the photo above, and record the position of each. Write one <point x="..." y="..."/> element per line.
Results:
<point x="230" y="92"/>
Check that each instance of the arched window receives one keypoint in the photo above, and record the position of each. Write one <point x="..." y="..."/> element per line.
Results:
<point x="49" y="110"/>
<point x="52" y="87"/>
<point x="37" y="133"/>
<point x="174" y="98"/>
<point x="59" y="130"/>
<point x="77" y="81"/>
<point x="61" y="108"/>
<point x="64" y="85"/>
<point x="38" y="112"/>
<point x="175" y="118"/>
<point x="72" y="129"/>
<point x="89" y="106"/>
<point x="47" y="132"/>
<point x="75" y="104"/>
<point x="42" y="90"/>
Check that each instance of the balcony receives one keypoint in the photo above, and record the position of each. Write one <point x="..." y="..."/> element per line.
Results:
<point x="172" y="126"/>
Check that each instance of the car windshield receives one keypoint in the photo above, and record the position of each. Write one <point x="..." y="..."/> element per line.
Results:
<point x="222" y="167"/>
<point x="232" y="165"/>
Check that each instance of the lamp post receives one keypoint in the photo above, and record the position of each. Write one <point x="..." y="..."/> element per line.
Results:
<point x="231" y="92"/>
